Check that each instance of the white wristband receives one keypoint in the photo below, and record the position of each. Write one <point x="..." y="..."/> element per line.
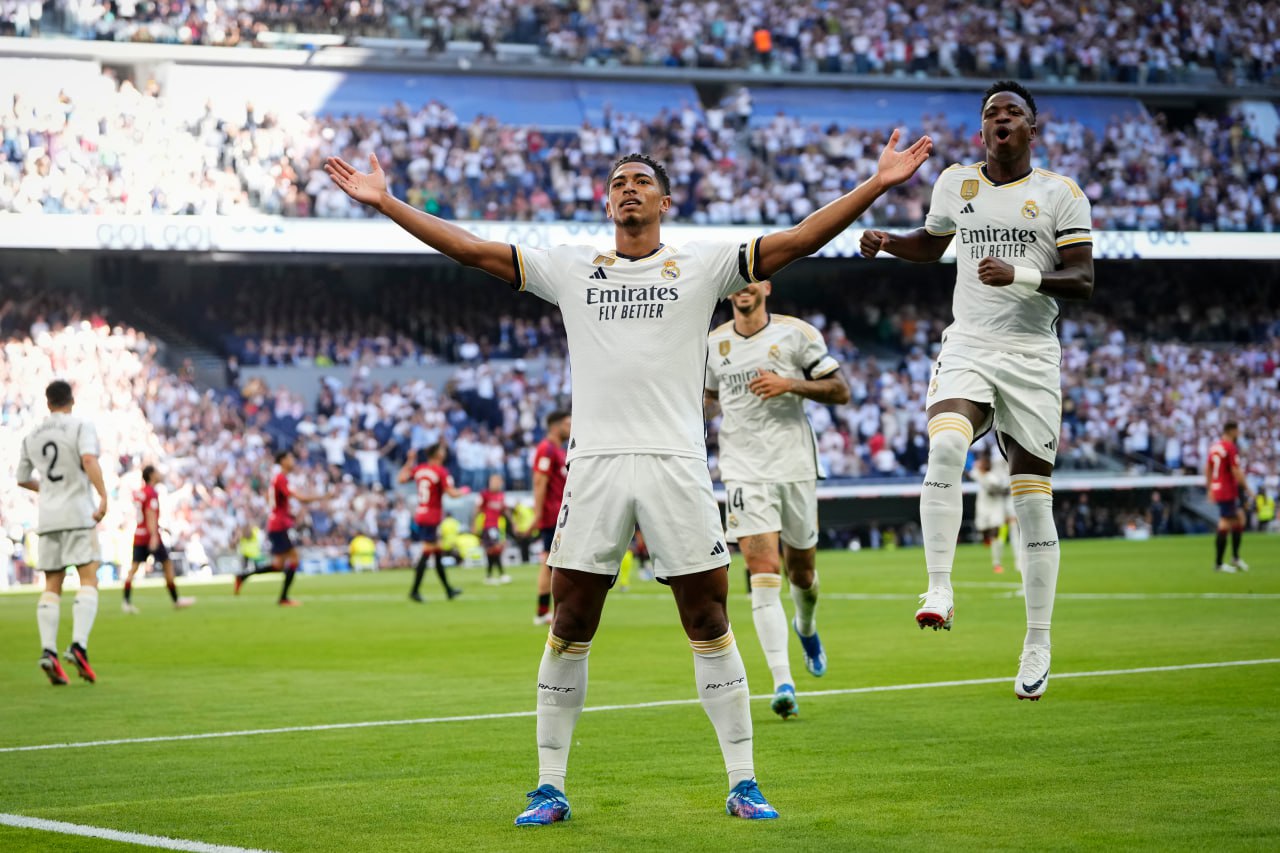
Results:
<point x="1027" y="277"/>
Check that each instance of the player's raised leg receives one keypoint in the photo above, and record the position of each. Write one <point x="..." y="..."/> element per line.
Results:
<point x="951" y="427"/>
<point x="761" y="553"/>
<point x="562" y="688"/>
<point x="1033" y="502"/>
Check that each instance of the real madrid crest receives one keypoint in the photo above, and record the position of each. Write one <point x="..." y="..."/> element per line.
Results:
<point x="774" y="353"/>
<point x="1030" y="210"/>
<point x="724" y="347"/>
<point x="670" y="270"/>
<point x="733" y="520"/>
<point x="968" y="189"/>
<point x="555" y="545"/>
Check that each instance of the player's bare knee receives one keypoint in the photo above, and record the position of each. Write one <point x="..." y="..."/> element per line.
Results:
<point x="708" y="621"/>
<point x="800" y="565"/>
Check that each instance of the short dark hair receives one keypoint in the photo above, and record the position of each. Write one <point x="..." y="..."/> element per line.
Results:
<point x="659" y="170"/>
<point x="281" y="454"/>
<point x="438" y="447"/>
<point x="147" y="472"/>
<point x="556" y="417"/>
<point x="1010" y="86"/>
<point x="58" y="394"/>
<point x="1229" y="426"/>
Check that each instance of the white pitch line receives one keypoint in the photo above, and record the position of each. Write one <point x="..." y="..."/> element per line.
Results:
<point x="662" y="703"/>
<point x="160" y="841"/>
<point x="1077" y="596"/>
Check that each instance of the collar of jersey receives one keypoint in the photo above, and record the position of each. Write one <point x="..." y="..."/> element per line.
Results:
<point x="661" y="246"/>
<point x="982" y="172"/>
<point x="733" y="324"/>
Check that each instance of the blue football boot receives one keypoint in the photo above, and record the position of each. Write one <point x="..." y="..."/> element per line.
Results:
<point x="746" y="801"/>
<point x="546" y="805"/>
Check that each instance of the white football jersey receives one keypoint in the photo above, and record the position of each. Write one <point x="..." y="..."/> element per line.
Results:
<point x="1023" y="223"/>
<point x="637" y="332"/>
<point x="766" y="441"/>
<point x="67" y="498"/>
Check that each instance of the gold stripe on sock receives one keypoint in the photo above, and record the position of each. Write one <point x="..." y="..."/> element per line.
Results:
<point x="563" y="648"/>
<point x="766" y="580"/>
<point x="719" y="644"/>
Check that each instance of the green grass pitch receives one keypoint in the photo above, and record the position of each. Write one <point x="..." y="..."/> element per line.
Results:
<point x="1177" y="759"/>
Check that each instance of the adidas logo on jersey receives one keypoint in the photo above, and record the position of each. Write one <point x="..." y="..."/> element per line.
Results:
<point x="968" y="208"/>
<point x="718" y="550"/>
<point x="724" y="363"/>
<point x="1052" y="444"/>
<point x="599" y="274"/>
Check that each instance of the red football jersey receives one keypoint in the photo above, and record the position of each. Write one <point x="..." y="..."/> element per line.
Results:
<point x="1223" y="459"/>
<point x="493" y="505"/>
<point x="281" y="518"/>
<point x="549" y="458"/>
<point x="431" y="480"/>
<point x="147" y="499"/>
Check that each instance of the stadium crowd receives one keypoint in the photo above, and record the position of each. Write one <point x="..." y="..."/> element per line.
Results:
<point x="1131" y="404"/>
<point x="114" y="148"/>
<point x="1135" y="42"/>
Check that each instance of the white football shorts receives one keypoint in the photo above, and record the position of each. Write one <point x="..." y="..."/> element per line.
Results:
<point x="56" y="551"/>
<point x="788" y="509"/>
<point x="669" y="497"/>
<point x="1024" y="391"/>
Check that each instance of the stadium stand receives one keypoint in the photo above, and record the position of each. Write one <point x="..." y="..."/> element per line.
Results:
<point x="75" y="148"/>
<point x="1126" y="42"/>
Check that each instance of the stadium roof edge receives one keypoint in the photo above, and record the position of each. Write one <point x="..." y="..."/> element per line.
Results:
<point x="334" y="58"/>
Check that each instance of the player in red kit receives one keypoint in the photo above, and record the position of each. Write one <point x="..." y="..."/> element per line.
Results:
<point x="284" y="553"/>
<point x="550" y="470"/>
<point x="147" y="543"/>
<point x="1225" y="480"/>
<point x="494" y="522"/>
<point x="433" y="481"/>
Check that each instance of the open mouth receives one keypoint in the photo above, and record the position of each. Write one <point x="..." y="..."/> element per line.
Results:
<point x="1003" y="134"/>
<point x="629" y="202"/>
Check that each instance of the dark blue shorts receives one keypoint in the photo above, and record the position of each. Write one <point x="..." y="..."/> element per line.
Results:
<point x="281" y="542"/>
<point x="546" y="536"/>
<point x="1228" y="509"/>
<point x="424" y="532"/>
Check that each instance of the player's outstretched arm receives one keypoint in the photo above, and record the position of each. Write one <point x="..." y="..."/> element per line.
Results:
<point x="1074" y="280"/>
<point x="919" y="246"/>
<point x="370" y="188"/>
<point x="821" y="227"/>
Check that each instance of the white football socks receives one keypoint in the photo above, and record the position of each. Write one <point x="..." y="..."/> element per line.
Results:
<point x="1033" y="502"/>
<point x="48" y="609"/>
<point x="997" y="549"/>
<point x="806" y="601"/>
<point x="83" y="612"/>
<point x="771" y="625"/>
<point x="562" y="691"/>
<point x="722" y="687"/>
<point x="941" y="506"/>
